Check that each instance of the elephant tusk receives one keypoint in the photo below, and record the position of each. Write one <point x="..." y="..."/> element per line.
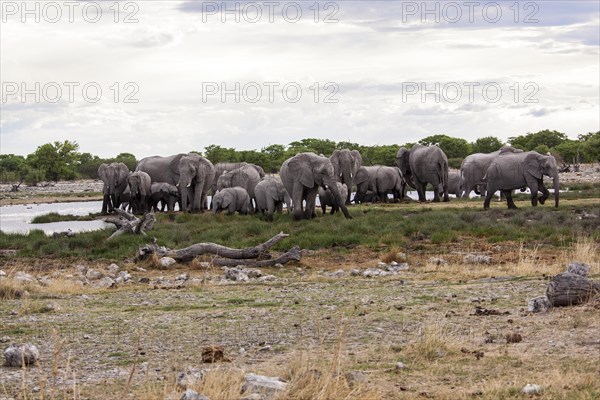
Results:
<point x="189" y="184"/>
<point x="351" y="176"/>
<point x="177" y="185"/>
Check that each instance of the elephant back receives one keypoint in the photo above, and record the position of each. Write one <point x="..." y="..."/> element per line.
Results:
<point x="161" y="169"/>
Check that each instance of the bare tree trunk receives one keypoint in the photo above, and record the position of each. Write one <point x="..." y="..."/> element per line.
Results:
<point x="567" y="289"/>
<point x="250" y="256"/>
<point x="129" y="223"/>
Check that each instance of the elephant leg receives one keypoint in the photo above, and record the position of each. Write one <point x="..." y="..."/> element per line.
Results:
<point x="509" y="199"/>
<point x="311" y="198"/>
<point x="436" y="194"/>
<point x="421" y="191"/>
<point x="297" y="193"/>
<point x="105" y="203"/>
<point x="545" y="192"/>
<point x="488" y="198"/>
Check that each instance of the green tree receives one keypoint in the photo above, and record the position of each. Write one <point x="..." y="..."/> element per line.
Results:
<point x="590" y="147"/>
<point x="58" y="160"/>
<point x="217" y="154"/>
<point x="275" y="156"/>
<point x="127" y="159"/>
<point x="318" y="146"/>
<point x="452" y="147"/>
<point x="568" y="150"/>
<point x="531" y="140"/>
<point x="12" y="167"/>
<point x="487" y="144"/>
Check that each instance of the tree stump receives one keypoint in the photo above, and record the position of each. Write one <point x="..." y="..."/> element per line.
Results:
<point x="567" y="289"/>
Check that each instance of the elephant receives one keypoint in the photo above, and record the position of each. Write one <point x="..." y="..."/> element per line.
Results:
<point x="114" y="176"/>
<point x="424" y="164"/>
<point x="221" y="167"/>
<point x="346" y="164"/>
<point x="271" y="195"/>
<point x="512" y="171"/>
<point x="231" y="199"/>
<point x="326" y="197"/>
<point x="301" y="175"/>
<point x="196" y="175"/>
<point x="454" y="184"/>
<point x="388" y="180"/>
<point x="191" y="173"/>
<point x="363" y="183"/>
<point x="474" y="167"/>
<point x="139" y="185"/>
<point x="166" y="194"/>
<point x="245" y="176"/>
<point x="125" y="200"/>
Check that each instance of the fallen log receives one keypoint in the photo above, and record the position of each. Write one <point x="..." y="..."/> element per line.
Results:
<point x="129" y="223"/>
<point x="567" y="289"/>
<point x="256" y="256"/>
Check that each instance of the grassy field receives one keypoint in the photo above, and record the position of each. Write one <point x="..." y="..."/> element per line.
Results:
<point x="329" y="338"/>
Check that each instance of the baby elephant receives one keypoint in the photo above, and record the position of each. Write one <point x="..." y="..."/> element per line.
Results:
<point x="231" y="199"/>
<point x="326" y="198"/>
<point x="166" y="194"/>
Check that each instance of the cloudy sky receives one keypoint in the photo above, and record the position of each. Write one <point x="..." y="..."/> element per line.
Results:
<point x="385" y="72"/>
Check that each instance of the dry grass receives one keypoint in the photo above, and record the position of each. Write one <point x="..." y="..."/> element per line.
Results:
<point x="11" y="289"/>
<point x="395" y="254"/>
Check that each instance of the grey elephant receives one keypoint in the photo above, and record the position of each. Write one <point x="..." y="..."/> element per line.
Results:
<point x="192" y="174"/>
<point x="245" y="176"/>
<point x="388" y="180"/>
<point x="231" y="199"/>
<point x="512" y="171"/>
<point x="125" y="200"/>
<point x="271" y="195"/>
<point x="139" y="185"/>
<point x="165" y="194"/>
<point x="326" y="197"/>
<point x="474" y="167"/>
<point x="346" y="164"/>
<point x="221" y="167"/>
<point x="114" y="176"/>
<point x="364" y="184"/>
<point x="302" y="175"/>
<point x="422" y="165"/>
<point x="454" y="184"/>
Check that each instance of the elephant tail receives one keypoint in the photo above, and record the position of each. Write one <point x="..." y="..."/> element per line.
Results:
<point x="443" y="173"/>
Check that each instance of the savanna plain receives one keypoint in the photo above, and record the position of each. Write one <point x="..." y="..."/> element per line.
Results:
<point x="325" y="325"/>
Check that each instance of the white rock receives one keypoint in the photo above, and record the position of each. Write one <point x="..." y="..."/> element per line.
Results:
<point x="106" y="282"/>
<point x="477" y="259"/>
<point x="139" y="269"/>
<point x="355" y="272"/>
<point x="539" y="304"/>
<point x="16" y="355"/>
<point x="400" y="365"/>
<point x="2" y="274"/>
<point x="193" y="395"/>
<point x="578" y="268"/>
<point x="23" y="277"/>
<point x="166" y="262"/>
<point x="93" y="274"/>
<point x="113" y="268"/>
<point x="126" y="276"/>
<point x="82" y="269"/>
<point x="532" y="389"/>
<point x="182" y="277"/>
<point x="267" y="278"/>
<point x="262" y="384"/>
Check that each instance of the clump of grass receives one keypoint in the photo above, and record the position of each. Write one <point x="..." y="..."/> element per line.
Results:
<point x="11" y="290"/>
<point x="56" y="217"/>
<point x="35" y="307"/>
<point x="429" y="346"/>
<point x="394" y="254"/>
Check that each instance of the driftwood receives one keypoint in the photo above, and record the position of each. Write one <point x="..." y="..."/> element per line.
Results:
<point x="256" y="256"/>
<point x="567" y="289"/>
<point x="129" y="223"/>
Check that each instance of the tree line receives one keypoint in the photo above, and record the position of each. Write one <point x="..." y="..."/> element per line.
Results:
<point x="63" y="161"/>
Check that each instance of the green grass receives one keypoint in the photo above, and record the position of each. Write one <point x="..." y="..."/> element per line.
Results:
<point x="372" y="226"/>
<point x="56" y="217"/>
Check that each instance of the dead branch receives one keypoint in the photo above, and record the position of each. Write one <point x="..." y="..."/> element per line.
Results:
<point x="129" y="223"/>
<point x="227" y="256"/>
<point x="567" y="289"/>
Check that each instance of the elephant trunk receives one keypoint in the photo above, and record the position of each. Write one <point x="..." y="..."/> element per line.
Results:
<point x="555" y="181"/>
<point x="184" y="197"/>
<point x="337" y="199"/>
<point x="347" y="179"/>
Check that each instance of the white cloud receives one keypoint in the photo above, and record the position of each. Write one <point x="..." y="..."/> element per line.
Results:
<point x="371" y="54"/>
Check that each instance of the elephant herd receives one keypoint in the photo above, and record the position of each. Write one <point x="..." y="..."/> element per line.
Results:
<point x="159" y="183"/>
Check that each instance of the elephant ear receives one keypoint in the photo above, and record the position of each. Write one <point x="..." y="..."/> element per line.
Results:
<point x="335" y="160"/>
<point x="357" y="159"/>
<point x="227" y="198"/>
<point x="102" y="171"/>
<point x="123" y="172"/>
<point x="532" y="166"/>
<point x="302" y="173"/>
<point x="362" y="175"/>
<point x="174" y="164"/>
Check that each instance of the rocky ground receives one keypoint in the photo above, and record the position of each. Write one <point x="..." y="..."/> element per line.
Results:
<point x="450" y="326"/>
